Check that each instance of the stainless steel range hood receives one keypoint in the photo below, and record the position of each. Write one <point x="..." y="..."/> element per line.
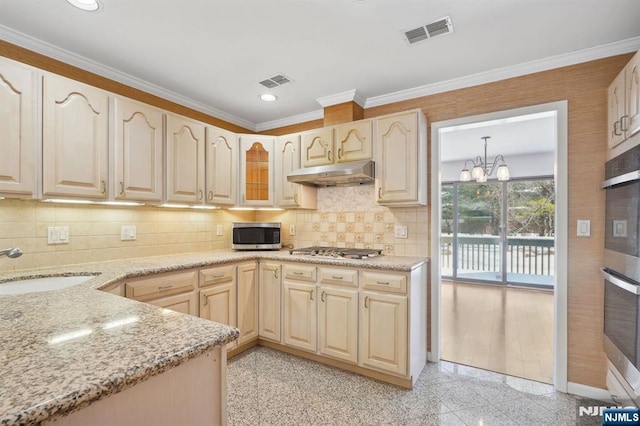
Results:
<point x="344" y="174"/>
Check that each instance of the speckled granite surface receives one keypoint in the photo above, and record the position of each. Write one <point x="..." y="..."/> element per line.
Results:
<point x="64" y="349"/>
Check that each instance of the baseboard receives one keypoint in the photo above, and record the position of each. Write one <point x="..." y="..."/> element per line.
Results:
<point x="589" y="392"/>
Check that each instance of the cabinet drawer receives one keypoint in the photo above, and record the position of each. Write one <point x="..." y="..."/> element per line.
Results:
<point x="348" y="277"/>
<point x="217" y="275"/>
<point x="161" y="285"/>
<point x="299" y="272"/>
<point x="395" y="283"/>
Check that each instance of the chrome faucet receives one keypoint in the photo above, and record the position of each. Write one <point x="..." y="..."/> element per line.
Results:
<point x="12" y="252"/>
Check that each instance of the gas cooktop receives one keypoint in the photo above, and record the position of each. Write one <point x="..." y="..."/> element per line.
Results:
<point x="346" y="253"/>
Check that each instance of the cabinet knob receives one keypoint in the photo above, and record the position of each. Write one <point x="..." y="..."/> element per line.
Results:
<point x="329" y="155"/>
<point x="121" y="188"/>
<point x="200" y="194"/>
<point x="336" y="277"/>
<point x="104" y="186"/>
<point x="275" y="273"/>
<point x="311" y="295"/>
<point x="204" y="300"/>
<point x="322" y="296"/>
<point x="366" y="299"/>
<point x="339" y="153"/>
<point x="616" y="132"/>
<point x="295" y="198"/>
<point x="210" y="195"/>
<point x="379" y="193"/>
<point x="165" y="287"/>
<point x="624" y="123"/>
<point x="383" y="282"/>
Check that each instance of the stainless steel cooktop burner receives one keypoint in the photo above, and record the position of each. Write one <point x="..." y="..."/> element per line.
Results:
<point x="348" y="253"/>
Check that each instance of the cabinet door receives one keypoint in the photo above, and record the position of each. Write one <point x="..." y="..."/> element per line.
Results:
<point x="270" y="301"/>
<point x="616" y="110"/>
<point x="290" y="194"/>
<point x="354" y="141"/>
<point x="138" y="151"/>
<point x="247" y="302"/>
<point x="257" y="171"/>
<point x="17" y="129"/>
<point x="317" y="147"/>
<point x="632" y="80"/>
<point x="185" y="160"/>
<point x="300" y="315"/>
<point x="218" y="303"/>
<point x="221" y="167"/>
<point x="338" y="327"/>
<point x="383" y="332"/>
<point x="400" y="149"/>
<point x="74" y="139"/>
<point x="186" y="303"/>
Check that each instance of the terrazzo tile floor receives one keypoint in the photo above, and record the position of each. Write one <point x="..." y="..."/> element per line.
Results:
<point x="267" y="387"/>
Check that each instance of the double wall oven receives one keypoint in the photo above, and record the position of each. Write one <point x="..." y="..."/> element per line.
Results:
<point x="621" y="275"/>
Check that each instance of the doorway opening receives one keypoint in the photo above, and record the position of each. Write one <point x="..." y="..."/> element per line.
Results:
<point x="509" y="234"/>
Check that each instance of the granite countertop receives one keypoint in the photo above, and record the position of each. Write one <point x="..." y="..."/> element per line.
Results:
<point x="61" y="350"/>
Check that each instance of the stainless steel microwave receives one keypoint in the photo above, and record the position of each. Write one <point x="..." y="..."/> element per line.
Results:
<point x="256" y="236"/>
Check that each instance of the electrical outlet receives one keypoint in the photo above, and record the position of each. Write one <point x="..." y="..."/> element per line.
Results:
<point x="292" y="229"/>
<point x="128" y="233"/>
<point x="57" y="234"/>
<point x="218" y="230"/>
<point x="401" y="231"/>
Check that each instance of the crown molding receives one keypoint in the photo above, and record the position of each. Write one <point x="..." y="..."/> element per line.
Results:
<point x="340" y="98"/>
<point x="579" y="56"/>
<point x="31" y="43"/>
<point x="296" y="119"/>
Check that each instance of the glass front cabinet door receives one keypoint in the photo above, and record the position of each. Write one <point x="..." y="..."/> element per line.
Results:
<point x="257" y="171"/>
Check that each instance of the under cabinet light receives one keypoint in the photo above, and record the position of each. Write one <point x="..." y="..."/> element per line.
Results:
<point x="67" y="201"/>
<point x="201" y="207"/>
<point x="120" y="203"/>
<point x="175" y="206"/>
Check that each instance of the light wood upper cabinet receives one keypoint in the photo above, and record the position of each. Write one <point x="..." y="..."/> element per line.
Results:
<point x="300" y="319"/>
<point x="632" y="93"/>
<point x="74" y="139"/>
<point x="623" y="99"/>
<point x="185" y="160"/>
<point x="383" y="332"/>
<point x="137" y="156"/>
<point x="222" y="167"/>
<point x="270" y="301"/>
<point x="17" y="129"/>
<point x="616" y="110"/>
<point x="354" y="141"/>
<point x="338" y="323"/>
<point x="287" y="160"/>
<point x="257" y="171"/>
<point x="248" y="322"/>
<point x="317" y="147"/>
<point x="401" y="159"/>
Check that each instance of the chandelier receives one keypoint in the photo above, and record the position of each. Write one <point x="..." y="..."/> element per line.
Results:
<point x="482" y="169"/>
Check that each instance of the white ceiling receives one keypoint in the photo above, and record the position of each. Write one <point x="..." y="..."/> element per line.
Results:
<point x="211" y="54"/>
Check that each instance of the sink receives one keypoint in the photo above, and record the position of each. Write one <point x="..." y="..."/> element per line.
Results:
<point x="41" y="284"/>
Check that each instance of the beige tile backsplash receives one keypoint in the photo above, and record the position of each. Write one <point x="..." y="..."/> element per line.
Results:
<point x="346" y="217"/>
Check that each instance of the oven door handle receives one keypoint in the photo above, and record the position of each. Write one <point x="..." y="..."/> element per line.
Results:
<point x="618" y="180"/>
<point x="625" y="285"/>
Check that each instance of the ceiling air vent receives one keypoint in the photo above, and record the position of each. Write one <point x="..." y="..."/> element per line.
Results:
<point x="440" y="27"/>
<point x="275" y="81"/>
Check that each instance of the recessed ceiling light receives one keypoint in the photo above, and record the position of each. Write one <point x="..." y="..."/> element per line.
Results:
<point x="268" y="97"/>
<point x="88" y="5"/>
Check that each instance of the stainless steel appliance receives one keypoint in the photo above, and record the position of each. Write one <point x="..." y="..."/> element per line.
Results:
<point x="347" y="253"/>
<point x="343" y="174"/>
<point x="621" y="273"/>
<point x="256" y="236"/>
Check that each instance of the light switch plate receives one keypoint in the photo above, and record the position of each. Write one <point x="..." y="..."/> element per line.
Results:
<point x="128" y="233"/>
<point x="401" y="231"/>
<point x="218" y="229"/>
<point x="57" y="234"/>
<point x="292" y="229"/>
<point x="584" y="228"/>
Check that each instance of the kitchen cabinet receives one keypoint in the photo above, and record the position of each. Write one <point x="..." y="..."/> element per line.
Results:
<point x="624" y="104"/>
<point x="18" y="97"/>
<point x="257" y="171"/>
<point x="184" y="160"/>
<point x="248" y="321"/>
<point x="218" y="296"/>
<point x="289" y="194"/>
<point x="137" y="156"/>
<point x="339" y="144"/>
<point x="173" y="290"/>
<point x="401" y="140"/>
<point x="221" y="167"/>
<point x="300" y="320"/>
<point x="270" y="301"/>
<point x="338" y="314"/>
<point x="74" y="139"/>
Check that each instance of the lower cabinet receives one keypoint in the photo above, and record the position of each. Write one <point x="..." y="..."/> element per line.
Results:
<point x="218" y="302"/>
<point x="300" y="321"/>
<point x="383" y="332"/>
<point x="247" y="302"/>
<point x="338" y="323"/>
<point x="186" y="303"/>
<point x="173" y="290"/>
<point x="270" y="299"/>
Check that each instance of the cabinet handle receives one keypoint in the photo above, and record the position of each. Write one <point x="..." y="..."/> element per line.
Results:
<point x="210" y="195"/>
<point x="275" y="272"/>
<point x="311" y="295"/>
<point x="329" y="155"/>
<point x="298" y="273"/>
<point x="295" y="198"/>
<point x="383" y="282"/>
<point x="204" y="300"/>
<point x="379" y="193"/>
<point x="335" y="277"/>
<point x="104" y="187"/>
<point x="200" y="194"/>
<point x="366" y="298"/>
<point x="165" y="287"/>
<point x="322" y="296"/>
<point x="624" y="120"/>
<point x="121" y="188"/>
<point x="615" y="128"/>
<point x="218" y="275"/>
<point x="339" y="153"/>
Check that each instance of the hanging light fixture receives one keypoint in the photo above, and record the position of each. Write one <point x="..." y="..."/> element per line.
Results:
<point x="482" y="169"/>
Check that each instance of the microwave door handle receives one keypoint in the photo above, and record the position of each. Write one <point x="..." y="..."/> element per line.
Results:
<point x="630" y="287"/>
<point x="618" y="180"/>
